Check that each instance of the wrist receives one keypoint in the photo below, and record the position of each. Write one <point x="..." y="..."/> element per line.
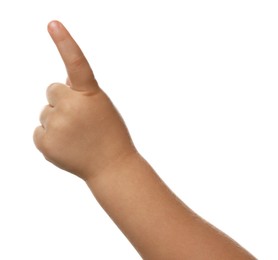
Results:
<point x="112" y="169"/>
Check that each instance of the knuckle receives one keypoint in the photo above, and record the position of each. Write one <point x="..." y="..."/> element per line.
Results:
<point x="44" y="144"/>
<point x="39" y="137"/>
<point x="53" y="89"/>
<point x="36" y="135"/>
<point x="47" y="141"/>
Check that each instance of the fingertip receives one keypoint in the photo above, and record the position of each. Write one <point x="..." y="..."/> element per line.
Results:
<point x="54" y="26"/>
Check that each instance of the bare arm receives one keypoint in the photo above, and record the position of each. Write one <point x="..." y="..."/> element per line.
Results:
<point x="82" y="132"/>
<point x="156" y="222"/>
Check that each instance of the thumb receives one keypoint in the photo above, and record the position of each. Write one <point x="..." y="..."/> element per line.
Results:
<point x="80" y="74"/>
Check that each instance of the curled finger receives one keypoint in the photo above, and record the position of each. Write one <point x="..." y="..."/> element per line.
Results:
<point x="45" y="115"/>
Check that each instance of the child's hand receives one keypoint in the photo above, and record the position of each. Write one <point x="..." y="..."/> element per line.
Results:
<point x="80" y="131"/>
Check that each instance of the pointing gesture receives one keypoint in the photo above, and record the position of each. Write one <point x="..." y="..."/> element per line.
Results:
<point x="79" y="71"/>
<point x="80" y="131"/>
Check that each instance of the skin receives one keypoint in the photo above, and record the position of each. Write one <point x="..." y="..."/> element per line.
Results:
<point x="82" y="132"/>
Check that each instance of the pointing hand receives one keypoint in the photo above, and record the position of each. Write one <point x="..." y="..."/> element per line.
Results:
<point x="81" y="131"/>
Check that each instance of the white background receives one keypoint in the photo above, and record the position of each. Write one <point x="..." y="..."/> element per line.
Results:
<point x="196" y="82"/>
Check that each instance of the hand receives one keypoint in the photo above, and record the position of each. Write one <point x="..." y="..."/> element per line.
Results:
<point x="81" y="131"/>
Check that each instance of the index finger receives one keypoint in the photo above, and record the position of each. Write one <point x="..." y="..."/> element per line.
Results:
<point x="79" y="71"/>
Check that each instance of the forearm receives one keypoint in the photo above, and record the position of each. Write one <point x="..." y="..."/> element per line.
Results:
<point x="155" y="221"/>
